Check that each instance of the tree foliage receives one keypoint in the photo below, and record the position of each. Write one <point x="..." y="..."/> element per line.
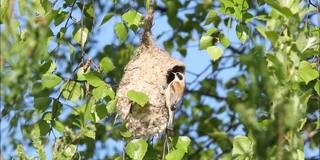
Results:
<point x="58" y="90"/>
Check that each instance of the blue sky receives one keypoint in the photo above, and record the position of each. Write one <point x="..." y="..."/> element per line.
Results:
<point x="195" y="62"/>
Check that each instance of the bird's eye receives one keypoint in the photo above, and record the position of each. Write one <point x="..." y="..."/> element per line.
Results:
<point x="180" y="76"/>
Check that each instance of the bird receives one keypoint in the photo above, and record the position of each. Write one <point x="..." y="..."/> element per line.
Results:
<point x="173" y="95"/>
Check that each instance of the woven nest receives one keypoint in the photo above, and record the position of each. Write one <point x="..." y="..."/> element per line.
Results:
<point x="146" y="72"/>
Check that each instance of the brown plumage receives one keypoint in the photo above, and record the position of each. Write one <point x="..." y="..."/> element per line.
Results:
<point x="174" y="93"/>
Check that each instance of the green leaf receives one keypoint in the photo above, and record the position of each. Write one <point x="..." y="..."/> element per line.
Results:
<point x="138" y="97"/>
<point x="300" y="155"/>
<point x="37" y="8"/>
<point x="41" y="103"/>
<point x="283" y="10"/>
<point x="71" y="91"/>
<point x="101" y="113"/>
<point x="242" y="32"/>
<point x="126" y="134"/>
<point x="136" y="149"/>
<point x="215" y="52"/>
<point x="301" y="42"/>
<point x="47" y="116"/>
<point x="183" y="143"/>
<point x="317" y="87"/>
<point x="205" y="42"/>
<point x="302" y="123"/>
<point x="69" y="151"/>
<point x="306" y="72"/>
<point x="106" y="65"/>
<point x="81" y="33"/>
<point x="242" y="4"/>
<point x="103" y="91"/>
<point x="94" y="79"/>
<point x="91" y="134"/>
<point x="88" y="109"/>
<point x="132" y="17"/>
<point x="224" y="40"/>
<point x="111" y="107"/>
<point x="210" y="17"/>
<point x="21" y="153"/>
<point x="59" y="126"/>
<point x="80" y="74"/>
<point x="211" y="31"/>
<point x="36" y="142"/>
<point x="50" y="80"/>
<point x="272" y="36"/>
<point x="242" y="146"/>
<point x="59" y="16"/>
<point x="44" y="127"/>
<point x="106" y="18"/>
<point x="121" y="31"/>
<point x="48" y="67"/>
<point x="262" y="31"/>
<point x="175" y="155"/>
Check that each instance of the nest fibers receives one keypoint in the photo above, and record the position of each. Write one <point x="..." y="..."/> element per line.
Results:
<point x="147" y="72"/>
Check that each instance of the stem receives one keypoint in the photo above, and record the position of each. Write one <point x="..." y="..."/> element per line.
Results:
<point x="146" y="37"/>
<point x="281" y="133"/>
<point x="81" y="39"/>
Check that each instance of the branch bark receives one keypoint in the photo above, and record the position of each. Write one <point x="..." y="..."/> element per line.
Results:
<point x="147" y="35"/>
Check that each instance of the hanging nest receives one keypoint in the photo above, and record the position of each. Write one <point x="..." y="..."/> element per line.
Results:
<point x="147" y="72"/>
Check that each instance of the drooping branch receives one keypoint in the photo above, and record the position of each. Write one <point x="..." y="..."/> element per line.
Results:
<point x="147" y="35"/>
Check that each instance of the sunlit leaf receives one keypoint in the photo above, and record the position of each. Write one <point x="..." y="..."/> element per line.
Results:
<point x="121" y="31"/>
<point x="58" y="125"/>
<point x="242" y="32"/>
<point x="175" y="154"/>
<point x="102" y="91"/>
<point x="283" y="10"/>
<point x="50" y="80"/>
<point x="183" y="143"/>
<point x="132" y="17"/>
<point x="81" y="36"/>
<point x="71" y="91"/>
<point x="242" y="146"/>
<point x="136" y="149"/>
<point x="94" y="79"/>
<point x="211" y="31"/>
<point x="111" y="107"/>
<point x="138" y="97"/>
<point x="214" y="52"/>
<point x="106" y="65"/>
<point x="205" y="42"/>
<point x="224" y="40"/>
<point x="306" y="72"/>
<point x="210" y="17"/>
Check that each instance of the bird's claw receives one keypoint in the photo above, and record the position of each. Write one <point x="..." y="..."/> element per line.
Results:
<point x="170" y="131"/>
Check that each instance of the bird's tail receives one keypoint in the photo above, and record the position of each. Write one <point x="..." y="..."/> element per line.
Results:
<point x="171" y="118"/>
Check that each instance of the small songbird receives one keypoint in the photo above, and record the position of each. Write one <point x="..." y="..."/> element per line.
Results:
<point x="174" y="93"/>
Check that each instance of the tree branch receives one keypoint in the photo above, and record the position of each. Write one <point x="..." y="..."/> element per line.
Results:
<point x="147" y="35"/>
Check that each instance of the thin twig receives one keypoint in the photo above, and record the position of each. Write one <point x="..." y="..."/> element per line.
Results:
<point x="94" y="15"/>
<point x="81" y="39"/>
<point x="70" y="15"/>
<point x="164" y="148"/>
